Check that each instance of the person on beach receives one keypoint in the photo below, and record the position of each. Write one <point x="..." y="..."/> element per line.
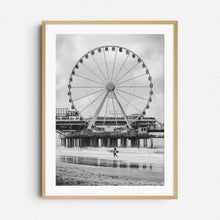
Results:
<point x="115" y="151"/>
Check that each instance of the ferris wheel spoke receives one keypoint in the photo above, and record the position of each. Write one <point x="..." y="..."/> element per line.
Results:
<point x="106" y="64"/>
<point x="116" y="76"/>
<point x="114" y="64"/>
<point x="106" y="109"/>
<point x="127" y="72"/>
<point x="88" y="79"/>
<point x="88" y="95"/>
<point x="131" y="79"/>
<point x="122" y="110"/>
<point x="132" y="94"/>
<point x="131" y="86"/>
<point x="97" y="65"/>
<point x="92" y="102"/>
<point x="129" y="103"/>
<point x="113" y="105"/>
<point x="93" y="72"/>
<point x="85" y="87"/>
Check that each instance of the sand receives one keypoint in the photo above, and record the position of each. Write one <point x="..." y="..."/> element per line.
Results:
<point x="77" y="174"/>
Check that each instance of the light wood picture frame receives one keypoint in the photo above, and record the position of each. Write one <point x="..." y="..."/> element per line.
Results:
<point x="75" y="143"/>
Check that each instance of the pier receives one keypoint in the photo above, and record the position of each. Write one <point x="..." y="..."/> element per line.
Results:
<point x="74" y="132"/>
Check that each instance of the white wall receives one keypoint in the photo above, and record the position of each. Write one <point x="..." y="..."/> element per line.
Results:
<point x="20" y="109"/>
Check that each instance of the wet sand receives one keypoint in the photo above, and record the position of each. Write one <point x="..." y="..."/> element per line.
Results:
<point x="68" y="173"/>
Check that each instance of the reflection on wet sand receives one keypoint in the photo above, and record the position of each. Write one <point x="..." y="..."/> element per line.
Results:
<point x="92" y="161"/>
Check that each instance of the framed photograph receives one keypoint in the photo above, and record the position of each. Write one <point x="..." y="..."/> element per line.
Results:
<point x="109" y="110"/>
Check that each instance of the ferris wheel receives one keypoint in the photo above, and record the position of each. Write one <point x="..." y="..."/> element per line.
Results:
<point x="110" y="82"/>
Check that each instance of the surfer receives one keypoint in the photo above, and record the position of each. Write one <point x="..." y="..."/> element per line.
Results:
<point x="115" y="151"/>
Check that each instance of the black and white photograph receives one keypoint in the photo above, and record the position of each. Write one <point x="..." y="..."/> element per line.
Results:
<point x="110" y="110"/>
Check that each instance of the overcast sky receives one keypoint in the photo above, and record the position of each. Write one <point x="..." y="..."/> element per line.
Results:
<point x="69" y="49"/>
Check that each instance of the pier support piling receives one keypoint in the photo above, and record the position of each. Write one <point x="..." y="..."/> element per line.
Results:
<point x="118" y="142"/>
<point x="90" y="142"/>
<point x="151" y="143"/>
<point x="63" y="142"/>
<point x="145" y="142"/>
<point x="138" y="142"/>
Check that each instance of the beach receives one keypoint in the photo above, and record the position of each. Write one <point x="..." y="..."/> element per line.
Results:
<point x="96" y="166"/>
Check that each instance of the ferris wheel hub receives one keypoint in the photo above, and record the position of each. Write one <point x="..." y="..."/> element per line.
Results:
<point x="110" y="86"/>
